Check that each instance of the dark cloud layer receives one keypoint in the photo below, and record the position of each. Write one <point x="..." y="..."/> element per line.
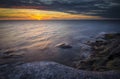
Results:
<point x="104" y="8"/>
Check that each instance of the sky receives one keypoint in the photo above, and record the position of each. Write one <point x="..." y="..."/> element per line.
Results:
<point x="59" y="9"/>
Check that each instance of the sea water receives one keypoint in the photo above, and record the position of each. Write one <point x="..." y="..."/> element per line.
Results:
<point x="37" y="40"/>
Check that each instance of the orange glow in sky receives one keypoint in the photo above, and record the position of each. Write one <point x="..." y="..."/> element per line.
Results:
<point x="34" y="14"/>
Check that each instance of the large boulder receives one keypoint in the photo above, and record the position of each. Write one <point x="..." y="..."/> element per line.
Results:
<point x="51" y="70"/>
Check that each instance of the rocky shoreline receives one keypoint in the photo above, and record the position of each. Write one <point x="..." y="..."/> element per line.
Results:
<point x="103" y="63"/>
<point x="105" y="54"/>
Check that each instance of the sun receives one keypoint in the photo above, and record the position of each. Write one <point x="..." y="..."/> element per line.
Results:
<point x="34" y="14"/>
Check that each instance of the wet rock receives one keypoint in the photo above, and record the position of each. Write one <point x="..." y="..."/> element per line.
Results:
<point x="9" y="56"/>
<point x="8" y="52"/>
<point x="105" y="54"/>
<point x="64" y="46"/>
<point x="114" y="64"/>
<point x="6" y="56"/>
<point x="84" y="47"/>
<point x="112" y="35"/>
<point x="98" y="48"/>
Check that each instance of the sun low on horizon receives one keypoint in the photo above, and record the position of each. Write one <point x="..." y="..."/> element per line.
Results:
<point x="35" y="14"/>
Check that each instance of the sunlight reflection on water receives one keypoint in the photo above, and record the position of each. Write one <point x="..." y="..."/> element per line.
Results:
<point x="39" y="38"/>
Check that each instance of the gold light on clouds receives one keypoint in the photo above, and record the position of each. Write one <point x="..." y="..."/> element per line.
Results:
<point x="34" y="14"/>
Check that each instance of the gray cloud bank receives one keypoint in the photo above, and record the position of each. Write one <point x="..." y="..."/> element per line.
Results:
<point x="103" y="8"/>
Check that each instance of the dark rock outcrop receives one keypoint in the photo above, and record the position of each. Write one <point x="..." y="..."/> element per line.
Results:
<point x="105" y="54"/>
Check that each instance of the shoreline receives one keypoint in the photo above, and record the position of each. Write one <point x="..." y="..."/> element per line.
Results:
<point x="105" y="54"/>
<point x="103" y="63"/>
<point x="100" y="48"/>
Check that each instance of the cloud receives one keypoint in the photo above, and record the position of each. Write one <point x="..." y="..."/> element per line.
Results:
<point x="103" y="8"/>
<point x="33" y="14"/>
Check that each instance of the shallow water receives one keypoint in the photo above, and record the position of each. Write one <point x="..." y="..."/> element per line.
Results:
<point x="37" y="40"/>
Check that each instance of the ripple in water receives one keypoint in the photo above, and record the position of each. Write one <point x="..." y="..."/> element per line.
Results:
<point x="37" y="39"/>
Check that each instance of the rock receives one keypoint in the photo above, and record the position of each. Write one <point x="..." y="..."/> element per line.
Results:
<point x="84" y="46"/>
<point x="9" y="55"/>
<point x="64" y="46"/>
<point x="112" y="35"/>
<point x="8" y="52"/>
<point x="114" y="64"/>
<point x="105" y="54"/>
<point x="52" y="70"/>
<point x="5" y="56"/>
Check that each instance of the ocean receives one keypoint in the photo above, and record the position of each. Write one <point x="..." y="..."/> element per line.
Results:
<point x="37" y="40"/>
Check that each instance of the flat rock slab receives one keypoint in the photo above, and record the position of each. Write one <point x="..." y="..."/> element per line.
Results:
<point x="52" y="70"/>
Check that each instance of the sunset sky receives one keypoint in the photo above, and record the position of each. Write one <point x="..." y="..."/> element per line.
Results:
<point x="59" y="9"/>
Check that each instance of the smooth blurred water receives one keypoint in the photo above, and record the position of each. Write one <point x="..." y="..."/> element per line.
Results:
<point x="37" y="40"/>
